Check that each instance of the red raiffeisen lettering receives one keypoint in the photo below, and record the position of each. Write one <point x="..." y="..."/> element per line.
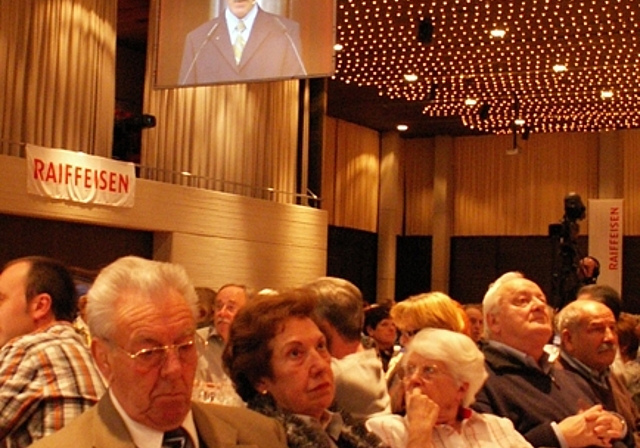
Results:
<point x="79" y="176"/>
<point x="614" y="238"/>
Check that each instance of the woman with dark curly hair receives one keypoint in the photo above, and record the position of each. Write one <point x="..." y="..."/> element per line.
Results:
<point x="278" y="360"/>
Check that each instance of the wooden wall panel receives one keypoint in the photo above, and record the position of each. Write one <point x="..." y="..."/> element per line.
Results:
<point x="215" y="261"/>
<point x="418" y="167"/>
<point x="85" y="246"/>
<point x="297" y="234"/>
<point x="630" y="141"/>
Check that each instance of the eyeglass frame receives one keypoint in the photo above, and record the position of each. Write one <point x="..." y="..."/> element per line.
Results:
<point x="425" y="372"/>
<point x="164" y="349"/>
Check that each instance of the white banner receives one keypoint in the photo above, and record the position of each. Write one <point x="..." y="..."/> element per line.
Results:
<point x="78" y="177"/>
<point x="605" y="239"/>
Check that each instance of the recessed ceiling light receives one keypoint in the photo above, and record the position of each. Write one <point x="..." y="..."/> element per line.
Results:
<point x="471" y="101"/>
<point x="558" y="68"/>
<point x="338" y="47"/>
<point x="606" y="94"/>
<point x="410" y="77"/>
<point x="402" y="127"/>
<point x="498" y="33"/>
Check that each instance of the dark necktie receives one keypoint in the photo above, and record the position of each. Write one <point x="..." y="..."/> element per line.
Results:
<point x="178" y="438"/>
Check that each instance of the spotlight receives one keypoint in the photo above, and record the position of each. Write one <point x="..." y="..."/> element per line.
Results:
<point x="484" y="111"/>
<point x="425" y="31"/>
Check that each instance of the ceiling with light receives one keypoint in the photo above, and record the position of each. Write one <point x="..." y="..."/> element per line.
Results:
<point x="500" y="66"/>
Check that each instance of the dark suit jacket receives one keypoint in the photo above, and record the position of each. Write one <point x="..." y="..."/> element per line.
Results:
<point x="528" y="397"/>
<point x="218" y="427"/>
<point x="272" y="51"/>
<point x="616" y="398"/>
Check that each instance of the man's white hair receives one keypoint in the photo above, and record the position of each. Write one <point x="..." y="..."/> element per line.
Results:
<point x="491" y="299"/>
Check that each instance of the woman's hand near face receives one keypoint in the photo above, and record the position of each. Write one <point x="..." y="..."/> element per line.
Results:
<point x="422" y="414"/>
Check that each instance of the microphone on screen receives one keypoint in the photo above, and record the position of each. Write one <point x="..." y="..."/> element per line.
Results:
<point x="293" y="46"/>
<point x="195" y="57"/>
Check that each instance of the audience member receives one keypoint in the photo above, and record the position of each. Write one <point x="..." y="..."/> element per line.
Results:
<point x="279" y="361"/>
<point x="550" y="407"/>
<point x="229" y="300"/>
<point x="444" y="371"/>
<point x="142" y="315"/>
<point x="426" y="310"/>
<point x="589" y="344"/>
<point x="47" y="376"/>
<point x="244" y="43"/>
<point x="80" y="322"/>
<point x="604" y="294"/>
<point x="360" y="385"/>
<point x="379" y="327"/>
<point x="476" y="321"/>
<point x="206" y="304"/>
<point x="629" y="343"/>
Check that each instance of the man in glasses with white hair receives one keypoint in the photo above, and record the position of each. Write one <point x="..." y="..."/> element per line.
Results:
<point x="142" y="317"/>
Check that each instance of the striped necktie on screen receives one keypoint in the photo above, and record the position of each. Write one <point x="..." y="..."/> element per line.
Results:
<point x="238" y="45"/>
<point x="178" y="438"/>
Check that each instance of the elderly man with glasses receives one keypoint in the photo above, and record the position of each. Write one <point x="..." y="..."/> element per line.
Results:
<point x="142" y="316"/>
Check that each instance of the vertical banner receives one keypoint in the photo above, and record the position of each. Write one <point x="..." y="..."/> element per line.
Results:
<point x="605" y="239"/>
<point x="78" y="177"/>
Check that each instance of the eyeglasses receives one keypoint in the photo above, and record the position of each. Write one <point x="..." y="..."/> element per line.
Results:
<point x="525" y="300"/>
<point x="424" y="372"/>
<point x="230" y="307"/>
<point x="154" y="357"/>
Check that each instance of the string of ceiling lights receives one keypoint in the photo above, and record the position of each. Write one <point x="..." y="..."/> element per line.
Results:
<point x="570" y="65"/>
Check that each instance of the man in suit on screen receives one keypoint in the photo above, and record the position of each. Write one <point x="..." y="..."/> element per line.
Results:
<point x="244" y="43"/>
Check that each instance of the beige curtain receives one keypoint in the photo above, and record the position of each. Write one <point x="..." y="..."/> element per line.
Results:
<point x="240" y="138"/>
<point x="500" y="194"/>
<point x="351" y="175"/>
<point x="57" y="74"/>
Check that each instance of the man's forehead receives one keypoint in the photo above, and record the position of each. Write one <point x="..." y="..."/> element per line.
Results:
<point x="231" y="294"/>
<point x="595" y="311"/>
<point x="16" y="274"/>
<point x="518" y="285"/>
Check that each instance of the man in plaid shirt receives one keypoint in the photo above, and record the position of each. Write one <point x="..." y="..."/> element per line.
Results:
<point x="47" y="375"/>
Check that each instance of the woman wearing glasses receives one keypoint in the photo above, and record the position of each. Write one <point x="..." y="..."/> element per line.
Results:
<point x="443" y="372"/>
<point x="427" y="310"/>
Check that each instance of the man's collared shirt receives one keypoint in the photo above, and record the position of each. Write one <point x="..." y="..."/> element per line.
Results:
<point x="47" y="378"/>
<point x="542" y="364"/>
<point x="599" y="378"/>
<point x="145" y="437"/>
<point x="232" y="22"/>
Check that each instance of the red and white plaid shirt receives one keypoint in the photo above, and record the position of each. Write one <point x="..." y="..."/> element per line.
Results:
<point x="47" y="378"/>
